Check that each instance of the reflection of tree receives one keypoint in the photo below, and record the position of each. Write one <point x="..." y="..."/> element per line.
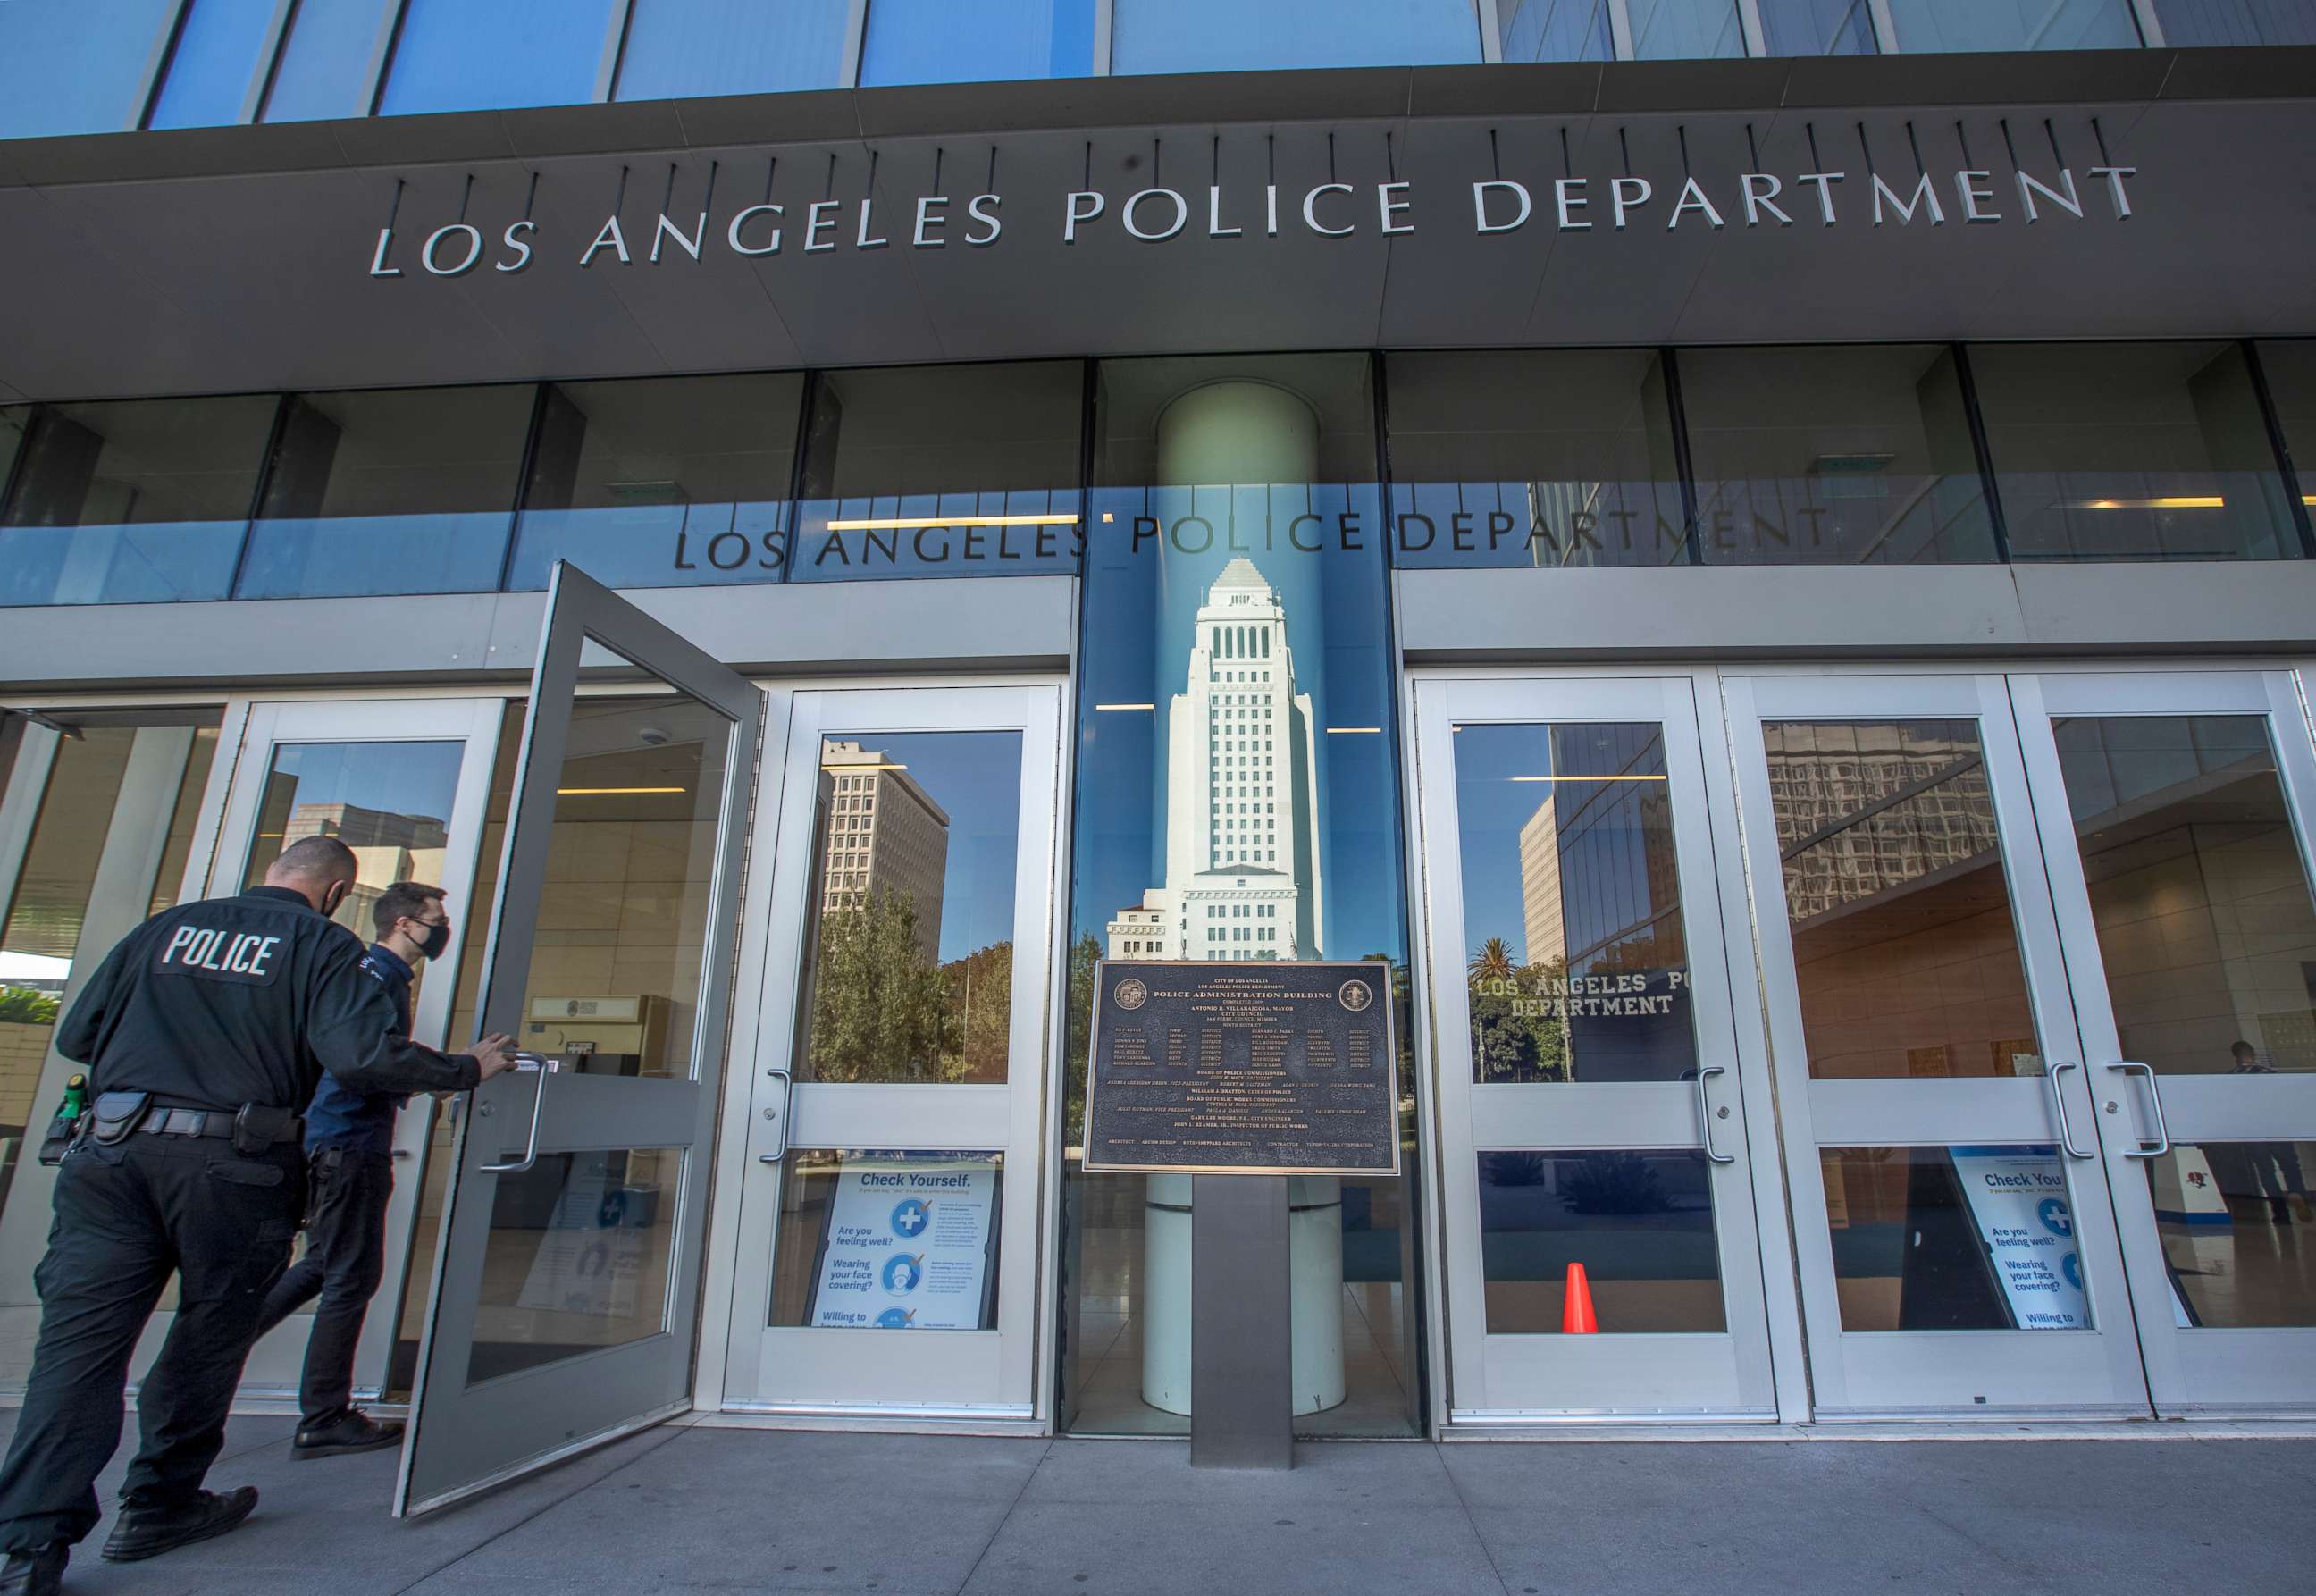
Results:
<point x="1613" y="1183"/>
<point x="1085" y="953"/>
<point x="1494" y="959"/>
<point x="1510" y="1045"/>
<point x="26" y="1005"/>
<point x="980" y="990"/>
<point x="880" y="1006"/>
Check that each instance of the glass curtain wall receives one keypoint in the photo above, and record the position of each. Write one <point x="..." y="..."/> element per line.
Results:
<point x="1685" y="29"/>
<point x="669" y="484"/>
<point x="1239" y="488"/>
<point x="128" y="502"/>
<point x="77" y="65"/>
<point x="480" y="55"/>
<point x="1816" y="28"/>
<point x="1925" y="25"/>
<point x="222" y="51"/>
<point x="1533" y="460"/>
<point x="2189" y="23"/>
<point x="329" y="60"/>
<point x="677" y="48"/>
<point x="1833" y="456"/>
<point x="2131" y="451"/>
<point x="942" y="41"/>
<point x="2289" y="369"/>
<point x="1555" y="30"/>
<point x="1229" y="36"/>
<point x="942" y="471"/>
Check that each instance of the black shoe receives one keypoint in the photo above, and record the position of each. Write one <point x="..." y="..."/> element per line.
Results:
<point x="150" y="1531"/>
<point x="38" y="1573"/>
<point x="353" y="1430"/>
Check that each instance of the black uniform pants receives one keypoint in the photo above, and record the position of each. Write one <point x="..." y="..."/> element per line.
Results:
<point x="345" y="1256"/>
<point x="127" y="1218"/>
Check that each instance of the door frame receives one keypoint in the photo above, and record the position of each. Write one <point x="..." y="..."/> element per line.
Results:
<point x="1778" y="1288"/>
<point x="276" y="1361"/>
<point x="763" y="1019"/>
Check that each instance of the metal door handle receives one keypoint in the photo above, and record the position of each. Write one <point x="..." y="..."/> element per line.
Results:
<point x="2059" y="1108"/>
<point x="530" y="1147"/>
<point x="2155" y="1098"/>
<point x="1705" y="1112"/>
<point x="788" y="1092"/>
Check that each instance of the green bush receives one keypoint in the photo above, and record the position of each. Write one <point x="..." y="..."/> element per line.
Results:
<point x="21" y="1005"/>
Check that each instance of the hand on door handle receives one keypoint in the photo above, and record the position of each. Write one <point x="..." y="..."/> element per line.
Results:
<point x="530" y="1147"/>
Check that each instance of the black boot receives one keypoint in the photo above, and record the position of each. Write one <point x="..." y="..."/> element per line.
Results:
<point x="353" y="1430"/>
<point x="147" y="1532"/>
<point x="37" y="1573"/>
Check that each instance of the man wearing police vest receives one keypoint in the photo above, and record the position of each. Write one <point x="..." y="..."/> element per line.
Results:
<point x="207" y="1031"/>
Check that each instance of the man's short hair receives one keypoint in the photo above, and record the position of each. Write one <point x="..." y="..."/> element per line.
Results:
<point x="317" y="859"/>
<point x="2244" y="1050"/>
<point x="404" y="898"/>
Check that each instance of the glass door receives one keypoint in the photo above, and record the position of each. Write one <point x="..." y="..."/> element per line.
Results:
<point x="894" y="1133"/>
<point x="566" y="1287"/>
<point x="1956" y="1243"/>
<point x="405" y="784"/>
<point x="1602" y="1256"/>
<point x="2176" y="811"/>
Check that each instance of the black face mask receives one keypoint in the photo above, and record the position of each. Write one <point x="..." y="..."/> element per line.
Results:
<point x="437" y="937"/>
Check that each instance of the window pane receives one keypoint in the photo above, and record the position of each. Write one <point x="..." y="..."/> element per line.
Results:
<point x="1236" y="754"/>
<point x="577" y="1258"/>
<point x="911" y="968"/>
<point x="2207" y="929"/>
<point x="1573" y="945"/>
<point x="218" y="59"/>
<point x="942" y="41"/>
<point x="472" y="55"/>
<point x="615" y="967"/>
<point x="1228" y="36"/>
<point x="943" y="471"/>
<point x="2131" y="451"/>
<point x="131" y="502"/>
<point x="77" y="65"/>
<point x="407" y="491"/>
<point x="389" y="802"/>
<point x="1685" y="29"/>
<point x="1563" y="458"/>
<point x="329" y="61"/>
<point x="1816" y="28"/>
<point x="2187" y="24"/>
<point x="1832" y="455"/>
<point x="1640" y="1225"/>
<point x="2014" y="24"/>
<point x="1954" y="1238"/>
<point x="2239" y="1233"/>
<point x="1904" y="948"/>
<point x="888" y="1241"/>
<point x="667" y="482"/>
<point x="679" y="47"/>
<point x="1555" y="30"/>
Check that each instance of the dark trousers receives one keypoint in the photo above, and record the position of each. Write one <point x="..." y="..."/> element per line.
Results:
<point x="345" y="1256"/>
<point x="127" y="1218"/>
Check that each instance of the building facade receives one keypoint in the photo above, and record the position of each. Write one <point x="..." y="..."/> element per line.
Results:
<point x="1751" y="550"/>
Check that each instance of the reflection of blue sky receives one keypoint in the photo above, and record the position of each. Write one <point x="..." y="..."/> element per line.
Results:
<point x="1490" y="807"/>
<point x="1140" y="611"/>
<point x="400" y="778"/>
<point x="976" y="777"/>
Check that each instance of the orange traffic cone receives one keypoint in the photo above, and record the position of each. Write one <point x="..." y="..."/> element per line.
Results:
<point x="1576" y="1304"/>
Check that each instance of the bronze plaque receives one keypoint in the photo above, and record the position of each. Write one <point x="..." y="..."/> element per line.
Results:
<point x="1260" y="1067"/>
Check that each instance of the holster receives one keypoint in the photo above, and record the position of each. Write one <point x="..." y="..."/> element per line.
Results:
<point x="114" y="1116"/>
<point x="259" y="1126"/>
<point x="62" y="1132"/>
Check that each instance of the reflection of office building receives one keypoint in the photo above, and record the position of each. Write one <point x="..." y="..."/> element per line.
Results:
<point x="1539" y="855"/>
<point x="1242" y="794"/>
<point x="885" y="837"/>
<point x="360" y="827"/>
<point x="1864" y="810"/>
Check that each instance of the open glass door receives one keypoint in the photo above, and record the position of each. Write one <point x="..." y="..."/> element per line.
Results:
<point x="565" y="1288"/>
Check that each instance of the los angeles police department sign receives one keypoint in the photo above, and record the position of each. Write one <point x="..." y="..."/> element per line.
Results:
<point x="1487" y="207"/>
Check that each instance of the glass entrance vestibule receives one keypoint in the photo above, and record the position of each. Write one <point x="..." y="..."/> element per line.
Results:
<point x="1875" y="1043"/>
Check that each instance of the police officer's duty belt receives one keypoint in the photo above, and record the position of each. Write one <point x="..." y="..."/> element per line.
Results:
<point x="210" y="1122"/>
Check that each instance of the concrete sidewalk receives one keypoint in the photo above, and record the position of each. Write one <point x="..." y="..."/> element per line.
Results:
<point x="748" y="1510"/>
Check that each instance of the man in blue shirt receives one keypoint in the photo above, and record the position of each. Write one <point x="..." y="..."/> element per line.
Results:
<point x="350" y="1157"/>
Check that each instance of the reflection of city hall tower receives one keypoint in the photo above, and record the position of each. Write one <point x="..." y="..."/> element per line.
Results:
<point x="1242" y="795"/>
